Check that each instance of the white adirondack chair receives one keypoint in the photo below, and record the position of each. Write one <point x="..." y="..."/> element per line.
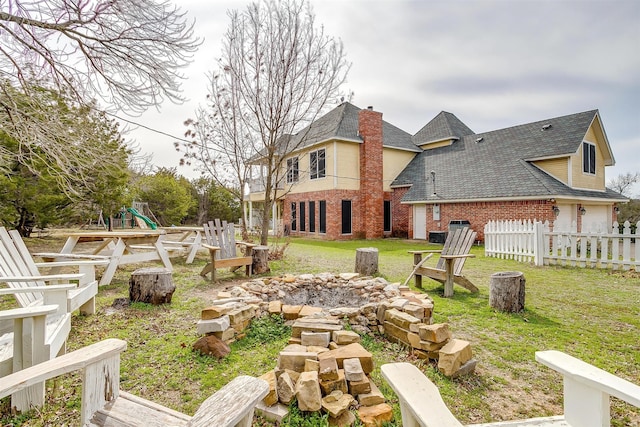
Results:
<point x="586" y="395"/>
<point x="104" y="404"/>
<point x="32" y="335"/>
<point x="19" y="271"/>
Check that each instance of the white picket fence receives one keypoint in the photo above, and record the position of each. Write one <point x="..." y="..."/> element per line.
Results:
<point x="533" y="241"/>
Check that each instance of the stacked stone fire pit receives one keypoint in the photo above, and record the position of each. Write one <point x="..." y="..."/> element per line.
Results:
<point x="324" y="366"/>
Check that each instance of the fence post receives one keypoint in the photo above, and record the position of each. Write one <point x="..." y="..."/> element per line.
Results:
<point x="538" y="247"/>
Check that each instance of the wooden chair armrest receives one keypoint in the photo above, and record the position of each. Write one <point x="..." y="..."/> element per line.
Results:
<point x="457" y="256"/>
<point x="591" y="376"/>
<point x="420" y="400"/>
<point x="232" y="403"/>
<point x="249" y="245"/>
<point x="79" y="263"/>
<point x="44" y="278"/>
<point x="210" y="247"/>
<point x="21" y="313"/>
<point x="68" y="257"/>
<point x="426" y="251"/>
<point x="69" y="362"/>
<point x="29" y="289"/>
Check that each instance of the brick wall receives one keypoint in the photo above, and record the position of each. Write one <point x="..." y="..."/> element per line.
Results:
<point x="400" y="214"/>
<point x="334" y="199"/>
<point x="372" y="194"/>
<point x="479" y="213"/>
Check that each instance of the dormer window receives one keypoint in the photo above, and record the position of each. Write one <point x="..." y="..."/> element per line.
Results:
<point x="589" y="158"/>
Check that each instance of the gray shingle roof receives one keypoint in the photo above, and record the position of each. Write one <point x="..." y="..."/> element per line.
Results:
<point x="498" y="166"/>
<point x="342" y="123"/>
<point x="443" y="126"/>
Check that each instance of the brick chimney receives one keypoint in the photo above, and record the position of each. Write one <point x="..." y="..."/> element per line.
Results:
<point x="371" y="188"/>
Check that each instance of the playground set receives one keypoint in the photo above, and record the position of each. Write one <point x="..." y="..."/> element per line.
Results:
<point x="138" y="215"/>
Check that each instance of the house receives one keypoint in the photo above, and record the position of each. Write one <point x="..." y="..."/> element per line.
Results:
<point x="354" y="175"/>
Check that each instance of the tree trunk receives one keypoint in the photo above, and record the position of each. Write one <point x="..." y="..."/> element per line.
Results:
<point x="367" y="261"/>
<point x="260" y="260"/>
<point x="151" y="285"/>
<point x="506" y="291"/>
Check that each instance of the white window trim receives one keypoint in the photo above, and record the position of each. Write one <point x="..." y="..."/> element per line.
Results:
<point x="291" y="178"/>
<point x="311" y="164"/>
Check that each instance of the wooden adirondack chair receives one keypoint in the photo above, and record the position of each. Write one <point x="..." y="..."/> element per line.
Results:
<point x="104" y="404"/>
<point x="30" y="336"/>
<point x="586" y="395"/>
<point x="223" y="249"/>
<point x="19" y="271"/>
<point x="448" y="270"/>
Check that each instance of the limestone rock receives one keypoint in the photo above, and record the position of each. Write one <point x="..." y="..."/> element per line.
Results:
<point x="290" y="312"/>
<point x="295" y="360"/>
<point x="374" y="416"/>
<point x="347" y="419"/>
<point x="349" y="352"/>
<point x="453" y="355"/>
<point x="286" y="389"/>
<point x="214" y="312"/>
<point x="311" y="365"/>
<point x="273" y="413"/>
<point x="271" y="397"/>
<point x="211" y="345"/>
<point x="328" y="369"/>
<point x="213" y="325"/>
<point x="339" y="383"/>
<point x="400" y="318"/>
<point x="435" y="333"/>
<point x="275" y="307"/>
<point x="396" y="333"/>
<point x="359" y="387"/>
<point x="345" y="337"/>
<point x="308" y="392"/>
<point x="337" y="403"/>
<point x="309" y="310"/>
<point x="353" y="369"/>
<point x="314" y="325"/>
<point x="226" y="335"/>
<point x="374" y="397"/>
<point x="414" y="310"/>
<point x="320" y="339"/>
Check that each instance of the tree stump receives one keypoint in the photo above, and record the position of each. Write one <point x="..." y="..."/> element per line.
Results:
<point x="151" y="285"/>
<point x="506" y="291"/>
<point x="260" y="260"/>
<point x="367" y="261"/>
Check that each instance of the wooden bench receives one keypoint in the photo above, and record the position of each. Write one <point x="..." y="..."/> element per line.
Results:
<point x="586" y="395"/>
<point x="104" y="404"/>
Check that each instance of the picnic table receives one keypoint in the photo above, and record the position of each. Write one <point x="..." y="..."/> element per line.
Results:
<point x="187" y="237"/>
<point x="121" y="247"/>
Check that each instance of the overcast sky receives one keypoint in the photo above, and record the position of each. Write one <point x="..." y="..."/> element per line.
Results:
<point x="494" y="64"/>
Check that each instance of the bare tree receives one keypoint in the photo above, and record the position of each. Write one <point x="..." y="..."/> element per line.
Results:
<point x="624" y="182"/>
<point x="220" y="143"/>
<point x="284" y="69"/>
<point x="127" y="53"/>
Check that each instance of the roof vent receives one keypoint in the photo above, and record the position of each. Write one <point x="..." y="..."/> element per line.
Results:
<point x="370" y="107"/>
<point x="479" y="139"/>
<point x="546" y="127"/>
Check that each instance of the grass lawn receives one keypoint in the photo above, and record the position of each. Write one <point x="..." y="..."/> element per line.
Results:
<point x="591" y="314"/>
